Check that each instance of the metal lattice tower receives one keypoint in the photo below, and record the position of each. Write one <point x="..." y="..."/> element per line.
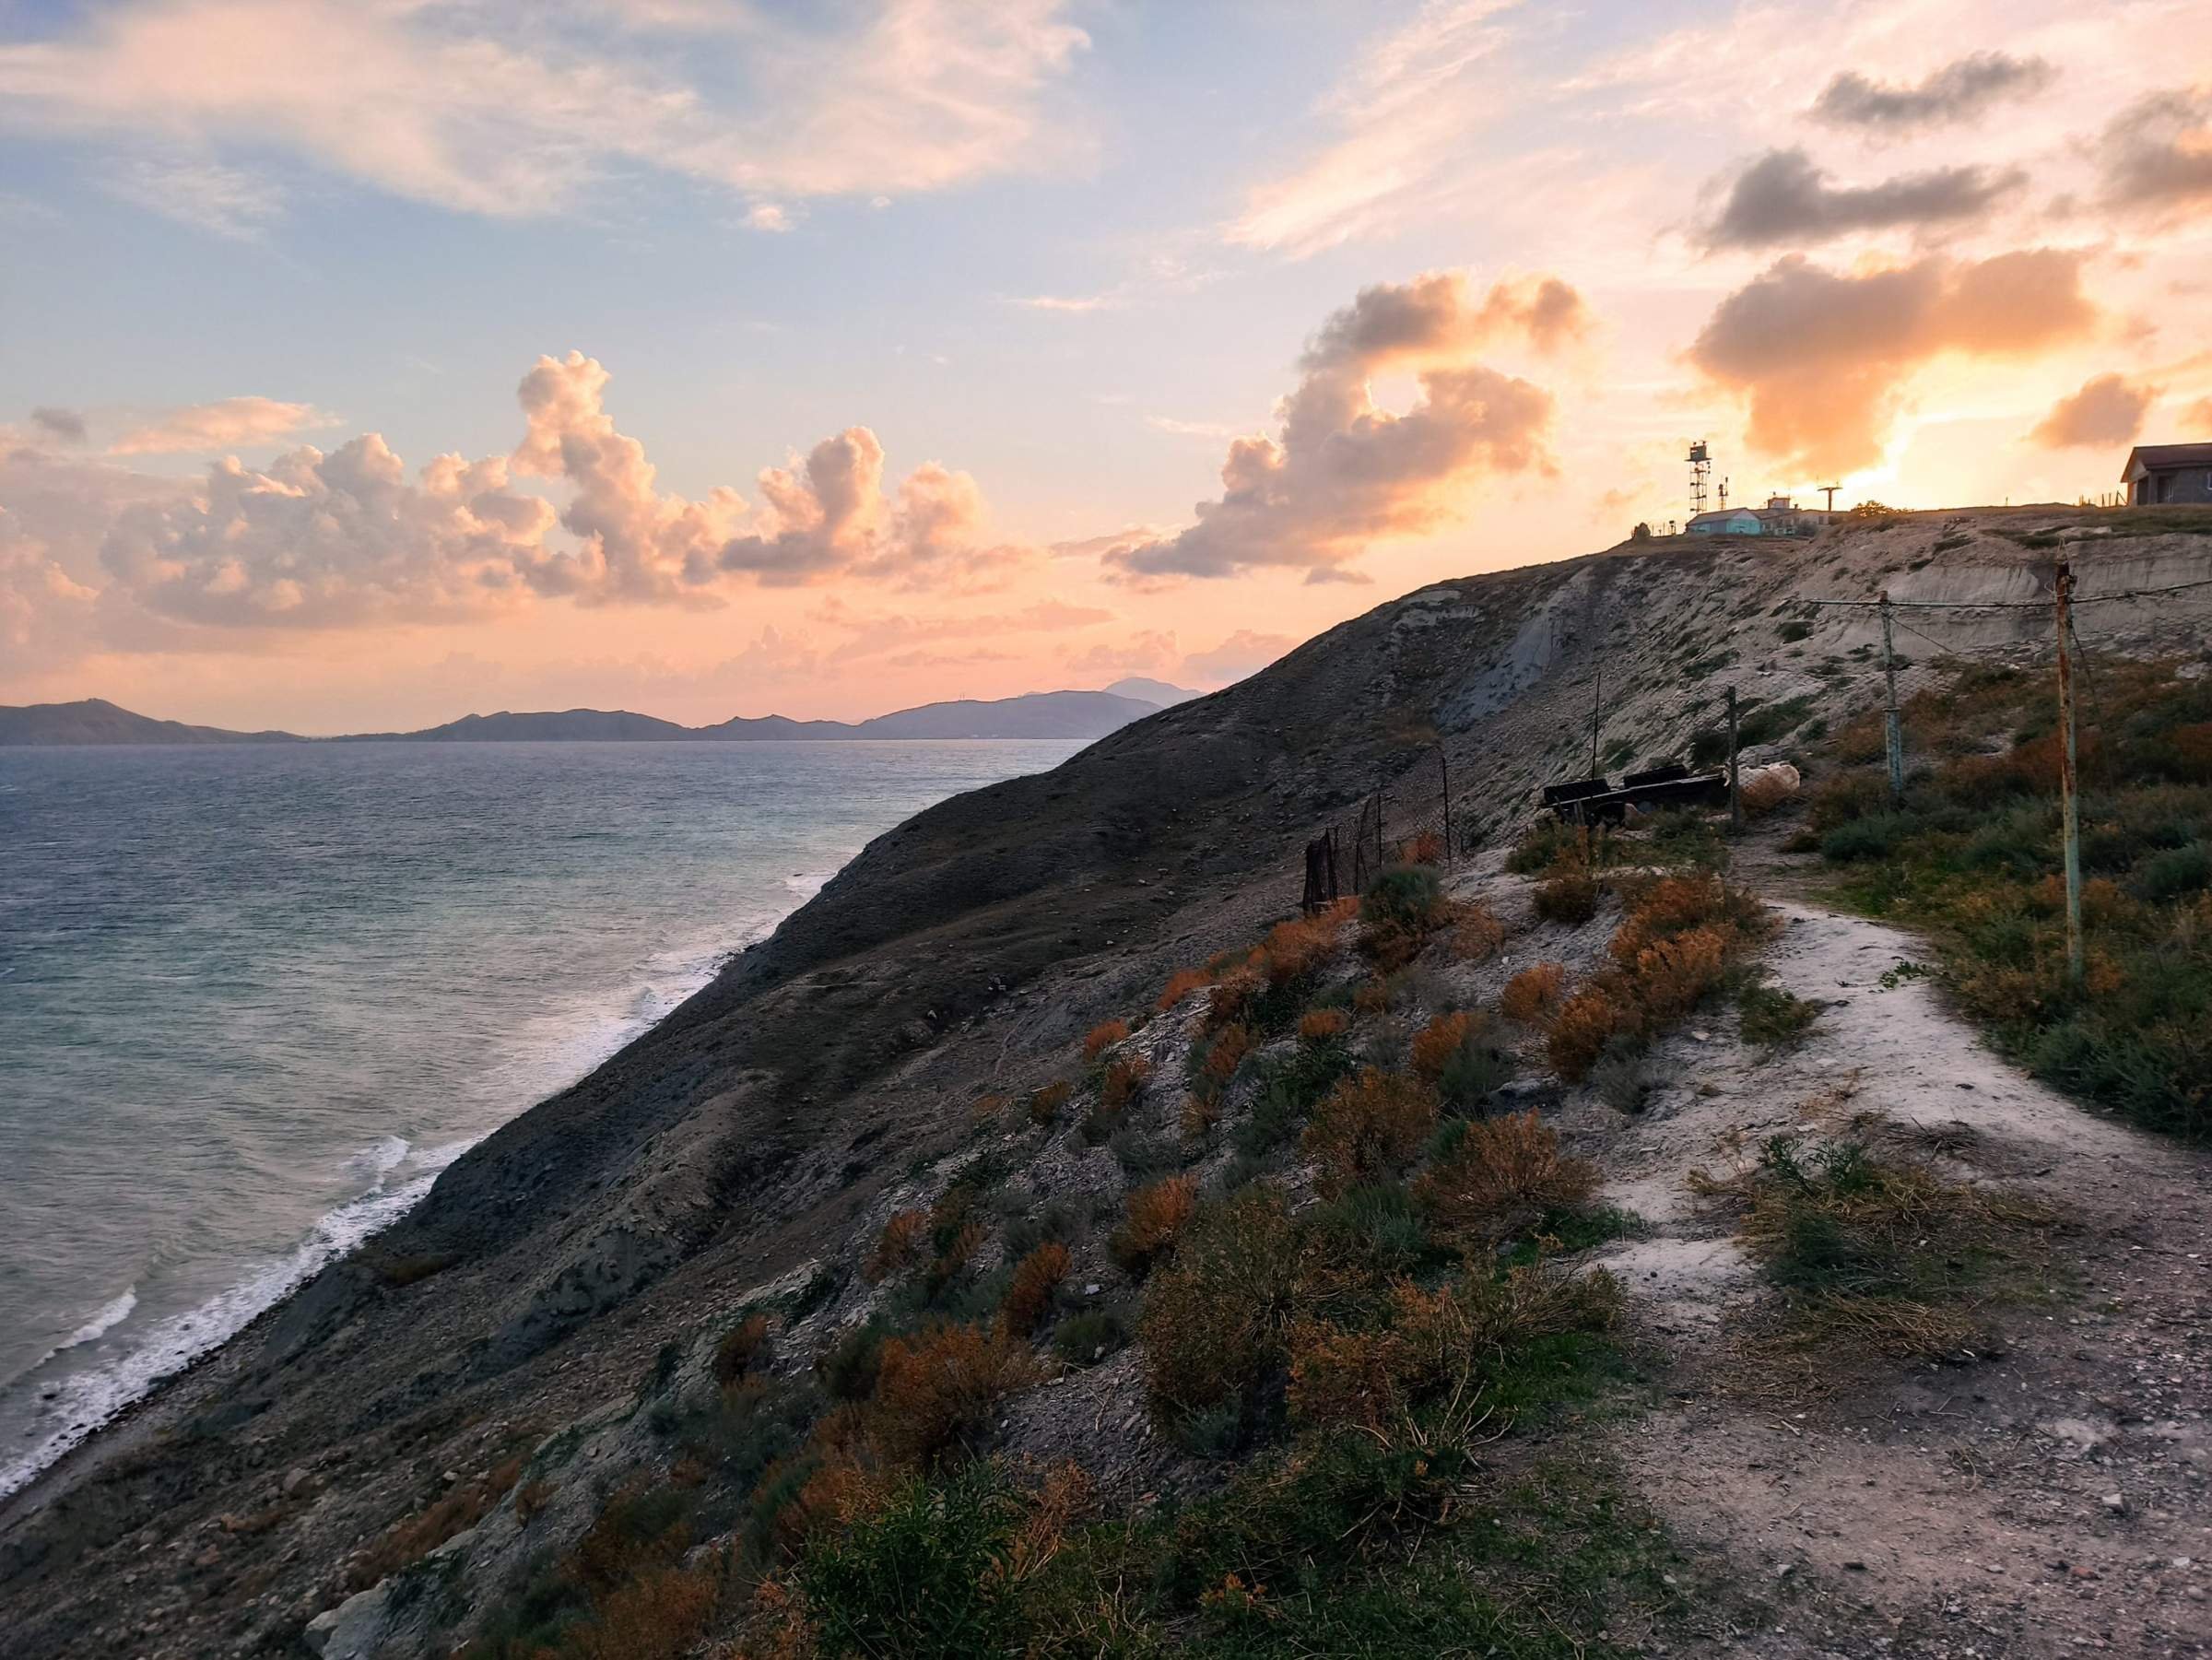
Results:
<point x="1701" y="474"/>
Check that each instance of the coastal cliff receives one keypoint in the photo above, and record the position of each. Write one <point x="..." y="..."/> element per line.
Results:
<point x="385" y="1463"/>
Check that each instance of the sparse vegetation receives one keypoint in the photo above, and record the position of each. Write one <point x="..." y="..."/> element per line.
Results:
<point x="1103" y="1037"/>
<point x="1770" y="1016"/>
<point x="1973" y="854"/>
<point x="1531" y="996"/>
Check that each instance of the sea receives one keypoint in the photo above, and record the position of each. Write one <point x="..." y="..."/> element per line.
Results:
<point x="253" y="998"/>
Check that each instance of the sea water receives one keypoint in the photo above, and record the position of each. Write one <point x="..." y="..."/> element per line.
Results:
<point x="253" y="998"/>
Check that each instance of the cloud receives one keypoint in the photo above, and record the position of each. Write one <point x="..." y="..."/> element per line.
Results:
<point x="1148" y="648"/>
<point x="1783" y="197"/>
<point x="2107" y="410"/>
<point x="2197" y="417"/>
<point x="1405" y="120"/>
<point x="348" y="538"/>
<point x="1074" y="304"/>
<point x="767" y="216"/>
<point x="1824" y="355"/>
<point x="2155" y="156"/>
<point x="228" y="423"/>
<point x="1243" y="652"/>
<point x="871" y="636"/>
<point x="1343" y="473"/>
<point x="509" y="109"/>
<point x="63" y="426"/>
<point x="1959" y="91"/>
<point x="1183" y="429"/>
<point x="205" y="194"/>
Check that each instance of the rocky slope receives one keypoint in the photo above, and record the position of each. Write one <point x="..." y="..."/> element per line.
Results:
<point x="767" y="1126"/>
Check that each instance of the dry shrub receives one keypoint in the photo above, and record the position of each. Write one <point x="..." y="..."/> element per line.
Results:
<point x="1344" y="1377"/>
<point x="1476" y="934"/>
<point x="1225" y="1054"/>
<point x="986" y="1112"/>
<point x="1319" y="1025"/>
<point x="1063" y="1498"/>
<point x="1501" y="1177"/>
<point x="1201" y="1113"/>
<point x="1367" y="1126"/>
<point x="1585" y="1023"/>
<point x="1390" y="945"/>
<point x="1568" y="895"/>
<point x="1157" y="1215"/>
<point x="529" y="1498"/>
<point x="1181" y="985"/>
<point x="937" y="1387"/>
<point x="1672" y="975"/>
<point x="1124" y="1081"/>
<point x="898" y="1245"/>
<point x="1294" y="949"/>
<point x="1216" y="1315"/>
<point x="1371" y="997"/>
<point x="1438" y="1042"/>
<point x="1045" y="1103"/>
<point x="658" y="1616"/>
<point x="734" y="1356"/>
<point x="1532" y="994"/>
<point x="1676" y="905"/>
<point x="1030" y="1294"/>
<point x="959" y="1250"/>
<point x="1426" y="848"/>
<point x="1103" y="1036"/>
<point x="1232" y="994"/>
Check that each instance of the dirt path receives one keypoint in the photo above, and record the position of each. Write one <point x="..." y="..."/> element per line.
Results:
<point x="2052" y="1498"/>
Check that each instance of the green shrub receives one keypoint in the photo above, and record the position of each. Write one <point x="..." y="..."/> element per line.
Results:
<point x="1770" y="1016"/>
<point x="2175" y="872"/>
<point x="1081" y="1339"/>
<point x="922" y="1576"/>
<point x="1410" y="896"/>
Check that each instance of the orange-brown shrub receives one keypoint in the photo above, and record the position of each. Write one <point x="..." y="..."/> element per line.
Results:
<point x="1045" y="1103"/>
<point x="1585" y="1023"/>
<point x="409" y="1541"/>
<point x="897" y="1246"/>
<point x="1367" y="1126"/>
<point x="1293" y="949"/>
<point x="1671" y="975"/>
<point x="1371" y="997"/>
<point x="1225" y="1054"/>
<point x="1201" y="1111"/>
<point x="1675" y="904"/>
<point x="1390" y="945"/>
<point x="1500" y="1179"/>
<point x="1216" y="1315"/>
<point x="1530" y="995"/>
<point x="1476" y="934"/>
<point x="1102" y="1036"/>
<point x="735" y="1354"/>
<point x="1157" y="1215"/>
<point x="1232" y="994"/>
<point x="1124" y="1077"/>
<point x="1437" y="1043"/>
<point x="936" y="1387"/>
<point x="1181" y="985"/>
<point x="1030" y="1294"/>
<point x="1426" y="848"/>
<point x="658" y="1616"/>
<point x="1319" y="1025"/>
<point x="986" y="1110"/>
<point x="1344" y="1377"/>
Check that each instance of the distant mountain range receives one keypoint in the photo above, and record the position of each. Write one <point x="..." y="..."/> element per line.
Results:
<point x="1037" y="714"/>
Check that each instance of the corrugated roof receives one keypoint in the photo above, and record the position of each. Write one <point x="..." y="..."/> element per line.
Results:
<point x="2157" y="457"/>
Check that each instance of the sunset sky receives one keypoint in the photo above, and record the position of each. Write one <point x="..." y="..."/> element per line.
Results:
<point x="367" y="362"/>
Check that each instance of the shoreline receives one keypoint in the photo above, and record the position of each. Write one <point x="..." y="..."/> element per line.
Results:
<point x="58" y="1454"/>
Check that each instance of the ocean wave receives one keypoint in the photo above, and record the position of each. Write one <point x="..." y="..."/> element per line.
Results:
<point x="113" y="1314"/>
<point x="79" y="1404"/>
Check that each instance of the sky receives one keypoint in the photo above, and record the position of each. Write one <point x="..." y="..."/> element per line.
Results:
<point x="364" y="363"/>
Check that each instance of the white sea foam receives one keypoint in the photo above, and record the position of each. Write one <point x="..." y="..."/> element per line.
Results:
<point x="113" y="1314"/>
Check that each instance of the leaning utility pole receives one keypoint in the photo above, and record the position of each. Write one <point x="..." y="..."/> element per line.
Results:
<point x="2069" y="795"/>
<point x="1597" y="702"/>
<point x="1893" y="725"/>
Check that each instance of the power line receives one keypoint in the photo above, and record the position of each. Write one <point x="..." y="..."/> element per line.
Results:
<point x="2009" y="605"/>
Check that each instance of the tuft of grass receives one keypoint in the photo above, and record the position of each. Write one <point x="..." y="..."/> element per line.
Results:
<point x="1770" y="1016"/>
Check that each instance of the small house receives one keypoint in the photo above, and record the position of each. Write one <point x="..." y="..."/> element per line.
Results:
<point x="1726" y="521"/>
<point x="2156" y="474"/>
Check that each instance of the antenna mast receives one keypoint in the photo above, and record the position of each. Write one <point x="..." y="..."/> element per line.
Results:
<point x="1830" y="491"/>
<point x="1700" y="470"/>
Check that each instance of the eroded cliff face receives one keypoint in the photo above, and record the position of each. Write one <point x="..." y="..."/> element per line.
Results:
<point x="758" y="1133"/>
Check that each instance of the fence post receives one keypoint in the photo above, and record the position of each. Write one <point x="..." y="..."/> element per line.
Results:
<point x="2069" y="803"/>
<point x="1893" y="725"/>
<point x="1735" y="796"/>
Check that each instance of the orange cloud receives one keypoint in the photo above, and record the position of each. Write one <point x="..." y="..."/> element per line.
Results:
<point x="228" y="423"/>
<point x="1823" y="357"/>
<point x="2107" y="410"/>
<point x="1343" y="472"/>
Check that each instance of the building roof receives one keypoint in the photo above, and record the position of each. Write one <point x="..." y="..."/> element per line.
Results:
<point x="2156" y="458"/>
<point x="1725" y="515"/>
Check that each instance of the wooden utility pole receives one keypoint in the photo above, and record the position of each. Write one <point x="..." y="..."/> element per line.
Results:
<point x="1443" y="768"/>
<point x="2069" y="800"/>
<point x="1735" y="795"/>
<point x="1893" y="725"/>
